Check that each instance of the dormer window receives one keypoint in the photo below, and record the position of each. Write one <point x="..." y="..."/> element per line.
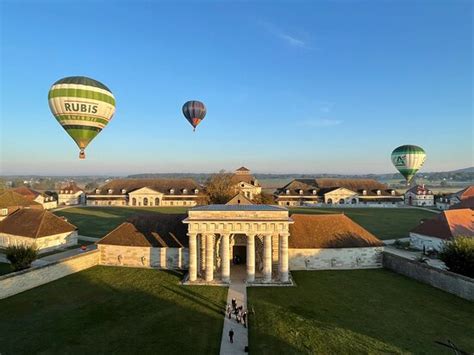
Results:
<point x="364" y="192"/>
<point x="61" y="192"/>
<point x="171" y="191"/>
<point x="242" y="185"/>
<point x="196" y="191"/>
<point x="287" y="191"/>
<point x="314" y="192"/>
<point x="393" y="192"/>
<point x="301" y="192"/>
<point x="97" y="191"/>
<point x="185" y="191"/>
<point x="124" y="191"/>
<point x="110" y="191"/>
<point x="379" y="192"/>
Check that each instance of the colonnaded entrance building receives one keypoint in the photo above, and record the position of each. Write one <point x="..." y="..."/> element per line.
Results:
<point x="223" y="235"/>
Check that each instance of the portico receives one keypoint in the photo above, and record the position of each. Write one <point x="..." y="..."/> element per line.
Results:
<point x="215" y="231"/>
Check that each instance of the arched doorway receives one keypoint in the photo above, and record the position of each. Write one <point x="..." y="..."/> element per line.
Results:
<point x="341" y="201"/>
<point x="145" y="201"/>
<point x="157" y="201"/>
<point x="329" y="201"/>
<point x="134" y="201"/>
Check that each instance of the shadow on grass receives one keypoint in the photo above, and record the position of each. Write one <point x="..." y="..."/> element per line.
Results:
<point x="113" y="310"/>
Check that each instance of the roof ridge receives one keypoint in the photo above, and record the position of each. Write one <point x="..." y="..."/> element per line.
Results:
<point x="41" y="223"/>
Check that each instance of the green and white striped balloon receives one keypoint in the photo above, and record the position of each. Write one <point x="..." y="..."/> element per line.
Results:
<point x="83" y="106"/>
<point x="408" y="159"/>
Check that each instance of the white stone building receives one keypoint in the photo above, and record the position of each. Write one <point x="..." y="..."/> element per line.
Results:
<point x="10" y="201"/>
<point x="37" y="227"/>
<point x="419" y="195"/>
<point x="329" y="191"/>
<point x="245" y="183"/>
<point x="47" y="201"/>
<point x="146" y="193"/>
<point x="71" y="195"/>
<point x="446" y="202"/>
<point x="432" y="234"/>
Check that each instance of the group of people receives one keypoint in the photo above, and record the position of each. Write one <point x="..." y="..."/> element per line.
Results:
<point x="239" y="314"/>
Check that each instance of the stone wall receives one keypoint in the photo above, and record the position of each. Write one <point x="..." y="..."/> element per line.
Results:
<point x="44" y="244"/>
<point x="456" y="284"/>
<point x="417" y="241"/>
<point x="163" y="258"/>
<point x="20" y="281"/>
<point x="335" y="258"/>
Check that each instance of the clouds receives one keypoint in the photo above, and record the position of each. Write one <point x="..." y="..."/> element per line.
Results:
<point x="289" y="38"/>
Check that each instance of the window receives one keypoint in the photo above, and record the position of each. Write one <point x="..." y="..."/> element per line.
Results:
<point x="4" y="211"/>
<point x="185" y="191"/>
<point x="124" y="191"/>
<point x="393" y="192"/>
<point x="341" y="201"/>
<point x="329" y="201"/>
<point x="287" y="191"/>
<point x="314" y="192"/>
<point x="242" y="185"/>
<point x="157" y="201"/>
<point x="97" y="191"/>
<point x="171" y="203"/>
<point x="61" y="192"/>
<point x="196" y="191"/>
<point x="134" y="201"/>
<point x="110" y="191"/>
<point x="364" y="192"/>
<point x="171" y="191"/>
<point x="145" y="201"/>
<point x="354" y="201"/>
<point x="379" y="192"/>
<point x="301" y="191"/>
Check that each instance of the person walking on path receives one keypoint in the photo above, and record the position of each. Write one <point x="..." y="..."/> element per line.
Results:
<point x="231" y="335"/>
<point x="244" y="319"/>
<point x="234" y="304"/>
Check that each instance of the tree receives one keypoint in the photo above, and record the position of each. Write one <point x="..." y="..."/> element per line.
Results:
<point x="219" y="187"/>
<point x="264" y="199"/>
<point x="21" y="256"/>
<point x="458" y="255"/>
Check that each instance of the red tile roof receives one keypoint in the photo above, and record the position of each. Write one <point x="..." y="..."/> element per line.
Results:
<point x="329" y="231"/>
<point x="157" y="230"/>
<point x="160" y="185"/>
<point x="34" y="223"/>
<point x="448" y="224"/>
<point x="467" y="202"/>
<point x="10" y="198"/>
<point x="27" y="192"/>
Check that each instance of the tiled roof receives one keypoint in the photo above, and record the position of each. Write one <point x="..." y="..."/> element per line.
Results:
<point x="249" y="179"/>
<point x="11" y="198"/>
<point x="71" y="187"/>
<point x="34" y="223"/>
<point x="465" y="193"/>
<point x="239" y="199"/>
<point x="448" y="224"/>
<point x="157" y="230"/>
<point x="326" y="185"/>
<point x="159" y="185"/>
<point x="465" y="203"/>
<point x="420" y="190"/>
<point x="27" y="192"/>
<point x="242" y="168"/>
<point x="239" y="208"/>
<point x="328" y="231"/>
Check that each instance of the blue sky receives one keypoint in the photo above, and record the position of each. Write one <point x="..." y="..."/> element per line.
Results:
<point x="310" y="87"/>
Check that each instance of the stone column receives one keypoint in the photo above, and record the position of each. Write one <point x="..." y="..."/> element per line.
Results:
<point x="209" y="257"/>
<point x="283" y="257"/>
<point x="192" y="257"/>
<point x="225" y="266"/>
<point x="202" y="254"/>
<point x="267" y="257"/>
<point x="250" y="258"/>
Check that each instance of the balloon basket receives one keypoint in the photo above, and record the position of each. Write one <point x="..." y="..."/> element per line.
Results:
<point x="82" y="155"/>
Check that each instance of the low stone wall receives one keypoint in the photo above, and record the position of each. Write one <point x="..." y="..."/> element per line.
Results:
<point x="456" y="284"/>
<point x="163" y="258"/>
<point x="20" y="281"/>
<point x="335" y="258"/>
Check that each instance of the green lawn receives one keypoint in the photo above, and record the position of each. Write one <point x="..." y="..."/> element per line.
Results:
<point x="362" y="311"/>
<point x="98" y="221"/>
<point x="115" y="311"/>
<point x="385" y="223"/>
<point x="5" y="268"/>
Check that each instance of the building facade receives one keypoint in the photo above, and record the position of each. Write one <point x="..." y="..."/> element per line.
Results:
<point x="245" y="183"/>
<point x="447" y="201"/>
<point x="10" y="202"/>
<point x="146" y="193"/>
<point x="419" y="195"/>
<point x="71" y="195"/>
<point x="37" y="227"/>
<point x="327" y="191"/>
<point x="47" y="201"/>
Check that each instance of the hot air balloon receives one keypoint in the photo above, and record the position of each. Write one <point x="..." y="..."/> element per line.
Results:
<point x="194" y="111"/>
<point x="408" y="159"/>
<point x="82" y="106"/>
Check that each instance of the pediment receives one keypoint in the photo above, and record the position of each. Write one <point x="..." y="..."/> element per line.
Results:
<point x="339" y="191"/>
<point x="145" y="191"/>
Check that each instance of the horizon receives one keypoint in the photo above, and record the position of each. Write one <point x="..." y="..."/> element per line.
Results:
<point x="325" y="89"/>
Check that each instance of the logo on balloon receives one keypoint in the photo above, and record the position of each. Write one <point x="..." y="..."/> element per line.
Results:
<point x="76" y="107"/>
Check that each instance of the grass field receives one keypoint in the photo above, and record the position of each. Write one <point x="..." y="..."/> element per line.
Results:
<point x="385" y="223"/>
<point x="115" y="311"/>
<point x="355" y="312"/>
<point x="98" y="221"/>
<point x="5" y="269"/>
